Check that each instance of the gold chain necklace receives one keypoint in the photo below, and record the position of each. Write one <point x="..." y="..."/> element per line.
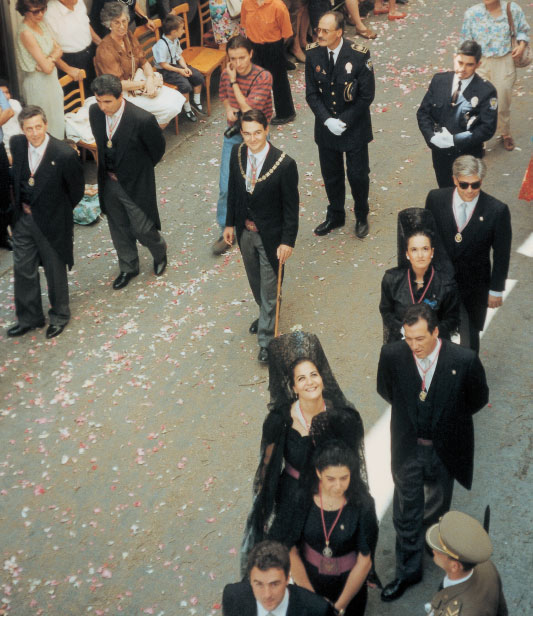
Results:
<point x="264" y="176"/>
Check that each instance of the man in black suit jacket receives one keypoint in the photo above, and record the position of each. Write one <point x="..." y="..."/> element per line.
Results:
<point x="266" y="589"/>
<point x="130" y="144"/>
<point x="47" y="184"/>
<point x="434" y="387"/>
<point x="339" y="88"/>
<point x="458" y="113"/>
<point x="263" y="204"/>
<point x="470" y="223"/>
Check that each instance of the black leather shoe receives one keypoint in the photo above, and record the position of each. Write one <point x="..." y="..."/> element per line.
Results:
<point x="253" y="327"/>
<point x="6" y="243"/>
<point x="361" y="228"/>
<point x="54" y="330"/>
<point x="263" y="355"/>
<point x="159" y="267"/>
<point x="326" y="226"/>
<point x="17" y="330"/>
<point x="123" y="279"/>
<point x="190" y="115"/>
<point x="289" y="64"/>
<point x="277" y="120"/>
<point x="397" y="587"/>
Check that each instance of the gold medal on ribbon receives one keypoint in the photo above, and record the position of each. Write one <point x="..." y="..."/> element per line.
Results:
<point x="458" y="237"/>
<point x="422" y="395"/>
<point x="109" y="143"/>
<point x="31" y="181"/>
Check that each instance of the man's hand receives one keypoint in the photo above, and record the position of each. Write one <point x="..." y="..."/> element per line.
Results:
<point x="336" y="126"/>
<point x="284" y="252"/>
<point x="495" y="301"/>
<point x="232" y="72"/>
<point x="444" y="139"/>
<point x="227" y="235"/>
<point x="74" y="73"/>
<point x="150" y="24"/>
<point x="231" y="115"/>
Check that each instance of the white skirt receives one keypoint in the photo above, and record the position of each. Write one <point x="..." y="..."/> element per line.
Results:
<point x="164" y="106"/>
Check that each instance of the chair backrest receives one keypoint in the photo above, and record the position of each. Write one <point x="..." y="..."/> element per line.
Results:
<point x="182" y="10"/>
<point x="147" y="39"/>
<point x="75" y="98"/>
<point x="205" y="18"/>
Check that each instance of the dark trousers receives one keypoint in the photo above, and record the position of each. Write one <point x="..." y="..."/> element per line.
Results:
<point x="316" y="9"/>
<point x="5" y="198"/>
<point x="127" y="224"/>
<point x="83" y="59"/>
<point x="357" y="170"/>
<point x="423" y="490"/>
<point x="271" y="56"/>
<point x="468" y="333"/>
<point x="442" y="164"/>
<point x="31" y="248"/>
<point x="184" y="84"/>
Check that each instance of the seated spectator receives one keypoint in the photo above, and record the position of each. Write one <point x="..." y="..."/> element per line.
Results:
<point x="37" y="54"/>
<point x="135" y="16"/>
<point x="11" y="127"/>
<point x="120" y="54"/>
<point x="169" y="61"/>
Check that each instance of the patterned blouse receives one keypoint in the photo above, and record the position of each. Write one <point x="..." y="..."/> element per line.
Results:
<point x="493" y="33"/>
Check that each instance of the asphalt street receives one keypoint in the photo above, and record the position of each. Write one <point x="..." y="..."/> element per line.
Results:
<point x="128" y="444"/>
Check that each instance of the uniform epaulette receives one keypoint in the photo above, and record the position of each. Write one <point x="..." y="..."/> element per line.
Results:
<point x="311" y="46"/>
<point x="360" y="48"/>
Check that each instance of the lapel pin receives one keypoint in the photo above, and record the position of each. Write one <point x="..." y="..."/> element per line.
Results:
<point x="53" y="162"/>
<point x="481" y="218"/>
<point x="453" y="372"/>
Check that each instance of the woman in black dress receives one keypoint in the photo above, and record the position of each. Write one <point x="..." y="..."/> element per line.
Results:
<point x="418" y="278"/>
<point x="307" y="407"/>
<point x="333" y="555"/>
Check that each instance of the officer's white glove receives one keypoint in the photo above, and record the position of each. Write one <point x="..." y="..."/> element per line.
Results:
<point x="336" y="126"/>
<point x="444" y="139"/>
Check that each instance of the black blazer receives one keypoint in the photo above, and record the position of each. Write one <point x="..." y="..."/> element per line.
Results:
<point x="140" y="146"/>
<point x="238" y="600"/>
<point x="442" y="296"/>
<point x="59" y="186"/>
<point x="325" y="94"/>
<point x="471" y="123"/>
<point x="461" y="391"/>
<point x="489" y="228"/>
<point x="274" y="203"/>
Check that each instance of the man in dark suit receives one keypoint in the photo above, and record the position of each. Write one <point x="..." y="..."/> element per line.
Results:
<point x="470" y="223"/>
<point x="434" y="387"/>
<point x="266" y="590"/>
<point x="339" y="88"/>
<point x="458" y="113"/>
<point x="130" y="144"/>
<point x="47" y="184"/>
<point x="263" y="205"/>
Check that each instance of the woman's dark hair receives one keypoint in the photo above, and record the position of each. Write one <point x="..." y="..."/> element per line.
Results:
<point x="238" y="41"/>
<point x="295" y="363"/>
<point x="420" y="232"/>
<point x="23" y="6"/>
<point x="107" y="84"/>
<point x="255" y="115"/>
<point x="269" y="555"/>
<point x="337" y="453"/>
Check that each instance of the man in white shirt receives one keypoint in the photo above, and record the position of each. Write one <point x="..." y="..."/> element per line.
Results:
<point x="434" y="387"/>
<point x="265" y="591"/>
<point x="12" y="126"/>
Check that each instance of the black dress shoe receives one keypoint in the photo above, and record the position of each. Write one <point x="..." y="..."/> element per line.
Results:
<point x="397" y="587"/>
<point x="17" y="330"/>
<point x="277" y="120"/>
<point x="326" y="226"/>
<point x="263" y="355"/>
<point x="361" y="228"/>
<point x="190" y="115"/>
<point x="123" y="279"/>
<point x="54" y="330"/>
<point x="6" y="243"/>
<point x="290" y="66"/>
<point x="159" y="267"/>
<point x="253" y="327"/>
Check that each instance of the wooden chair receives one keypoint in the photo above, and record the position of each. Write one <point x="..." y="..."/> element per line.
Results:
<point x="205" y="20"/>
<point x="72" y="101"/>
<point x="147" y="39"/>
<point x="205" y="59"/>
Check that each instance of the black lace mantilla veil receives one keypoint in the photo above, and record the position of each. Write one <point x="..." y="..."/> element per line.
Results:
<point x="340" y="421"/>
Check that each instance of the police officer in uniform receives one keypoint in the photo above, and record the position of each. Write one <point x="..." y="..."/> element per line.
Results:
<point x="339" y="85"/>
<point x="472" y="585"/>
<point x="458" y="113"/>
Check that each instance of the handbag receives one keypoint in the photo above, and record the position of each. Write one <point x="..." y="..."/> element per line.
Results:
<point x="527" y="55"/>
<point x="234" y="8"/>
<point x="139" y="76"/>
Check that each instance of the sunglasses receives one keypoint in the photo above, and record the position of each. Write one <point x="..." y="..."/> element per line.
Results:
<point x="474" y="185"/>
<point x="37" y="11"/>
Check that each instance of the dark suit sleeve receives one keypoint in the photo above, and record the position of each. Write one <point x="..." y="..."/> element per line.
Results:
<point x="365" y="92"/>
<point x="290" y="204"/>
<point x="152" y="137"/>
<point x="232" y="187"/>
<point x="449" y="310"/>
<point x="384" y="382"/>
<point x="476" y="388"/>
<point x="386" y="306"/>
<point x="312" y="93"/>
<point x="426" y="122"/>
<point x="484" y="126"/>
<point x="501" y="250"/>
<point x="228" y="603"/>
<point x="73" y="178"/>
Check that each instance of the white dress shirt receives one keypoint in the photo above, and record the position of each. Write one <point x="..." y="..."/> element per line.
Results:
<point x="447" y="582"/>
<point x="70" y="28"/>
<point x="427" y="362"/>
<point x="36" y="154"/>
<point x="116" y="117"/>
<point x="280" y="610"/>
<point x="464" y="85"/>
<point x="335" y="52"/>
<point x="260" y="158"/>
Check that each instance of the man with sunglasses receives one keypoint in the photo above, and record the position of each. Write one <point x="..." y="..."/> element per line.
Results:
<point x="471" y="223"/>
<point x="458" y="113"/>
<point x="339" y="88"/>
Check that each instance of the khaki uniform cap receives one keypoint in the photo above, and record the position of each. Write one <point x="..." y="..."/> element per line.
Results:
<point x="460" y="536"/>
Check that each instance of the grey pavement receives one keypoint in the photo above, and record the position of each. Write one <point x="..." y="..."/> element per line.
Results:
<point x="128" y="444"/>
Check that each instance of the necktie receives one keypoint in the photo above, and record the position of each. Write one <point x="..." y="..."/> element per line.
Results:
<point x="250" y="180"/>
<point x="455" y="95"/>
<point x="331" y="63"/>
<point x="424" y="363"/>
<point x="462" y="215"/>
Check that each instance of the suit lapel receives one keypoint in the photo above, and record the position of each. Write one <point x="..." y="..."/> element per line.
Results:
<point x="124" y="132"/>
<point x="45" y="169"/>
<point x="340" y="64"/>
<point x="470" y="85"/>
<point x="474" y="227"/>
<point x="410" y="382"/>
<point x="440" y="386"/>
